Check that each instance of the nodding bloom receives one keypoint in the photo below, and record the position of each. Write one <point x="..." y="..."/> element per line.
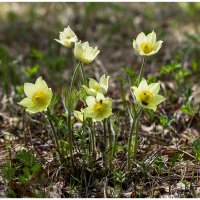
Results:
<point x="67" y="37"/>
<point x="38" y="96"/>
<point x="79" y="115"/>
<point x="98" y="108"/>
<point x="95" y="87"/>
<point x="146" y="45"/>
<point x="84" y="53"/>
<point x="147" y="95"/>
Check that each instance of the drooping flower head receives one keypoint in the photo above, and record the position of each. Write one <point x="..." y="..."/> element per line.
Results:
<point x="67" y="37"/>
<point x="38" y="96"/>
<point x="146" y="45"/>
<point x="84" y="53"/>
<point x="147" y="95"/>
<point x="95" y="87"/>
<point x="98" y="108"/>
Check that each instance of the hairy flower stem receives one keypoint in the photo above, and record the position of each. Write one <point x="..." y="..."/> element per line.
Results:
<point x="136" y="137"/>
<point x="114" y="145"/>
<point x="84" y="140"/>
<point x="54" y="134"/>
<point x="135" y="120"/>
<point x="141" y="70"/>
<point x="70" y="134"/>
<point x="74" y="75"/>
<point x="110" y="143"/>
<point x="70" y="140"/>
<point x="83" y="73"/>
<point x="105" y="144"/>
<point x="93" y="140"/>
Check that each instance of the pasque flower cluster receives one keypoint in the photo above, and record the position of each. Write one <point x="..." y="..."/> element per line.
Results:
<point x="98" y="107"/>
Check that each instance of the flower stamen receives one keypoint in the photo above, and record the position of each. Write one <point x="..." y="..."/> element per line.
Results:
<point x="96" y="87"/>
<point x="146" y="47"/>
<point x="146" y="97"/>
<point x="99" y="106"/>
<point x="39" y="98"/>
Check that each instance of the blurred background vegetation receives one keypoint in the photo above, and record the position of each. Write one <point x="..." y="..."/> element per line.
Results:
<point x="28" y="30"/>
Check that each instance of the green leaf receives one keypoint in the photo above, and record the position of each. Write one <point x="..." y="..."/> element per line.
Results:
<point x="129" y="71"/>
<point x="36" y="168"/>
<point x="189" y="109"/>
<point x="37" y="54"/>
<point x="170" y="68"/>
<point x="120" y="148"/>
<point x="22" y="179"/>
<point x="165" y="120"/>
<point x="185" y="182"/>
<point x="30" y="71"/>
<point x="158" y="163"/>
<point x="176" y="158"/>
<point x="196" y="145"/>
<point x="4" y="58"/>
<point x="25" y="158"/>
<point x="8" y="172"/>
<point x="27" y="173"/>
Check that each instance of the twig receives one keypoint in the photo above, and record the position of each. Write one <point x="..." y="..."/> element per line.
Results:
<point x="186" y="153"/>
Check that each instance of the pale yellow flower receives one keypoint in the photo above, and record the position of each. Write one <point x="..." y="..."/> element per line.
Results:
<point x="98" y="108"/>
<point x="147" y="45"/>
<point x="95" y="87"/>
<point x="79" y="115"/>
<point x="67" y="37"/>
<point x="147" y="95"/>
<point x="38" y="96"/>
<point x="84" y="53"/>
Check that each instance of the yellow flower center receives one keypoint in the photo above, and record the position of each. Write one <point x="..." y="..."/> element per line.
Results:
<point x="99" y="107"/>
<point x="96" y="87"/>
<point x="146" y="47"/>
<point x="146" y="97"/>
<point x="39" y="98"/>
<point x="68" y="37"/>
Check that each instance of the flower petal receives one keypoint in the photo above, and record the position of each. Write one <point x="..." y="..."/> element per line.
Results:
<point x="140" y="38"/>
<point x="103" y="89"/>
<point x="143" y="85"/>
<point x="100" y="96"/>
<point x="89" y="91"/>
<point x="105" y="114"/>
<point x="78" y="50"/>
<point x="151" y="37"/>
<point x="68" y="31"/>
<point x="108" y="103"/>
<point x="154" y="88"/>
<point x="158" y="45"/>
<point x="92" y="83"/>
<point x="104" y="80"/>
<point x="33" y="109"/>
<point x="158" y="99"/>
<point x="89" y="112"/>
<point x="136" y="47"/>
<point x="151" y="106"/>
<point x="26" y="102"/>
<point x="29" y="89"/>
<point x="41" y="84"/>
<point x="78" y="115"/>
<point x="90" y="101"/>
<point x="58" y="41"/>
